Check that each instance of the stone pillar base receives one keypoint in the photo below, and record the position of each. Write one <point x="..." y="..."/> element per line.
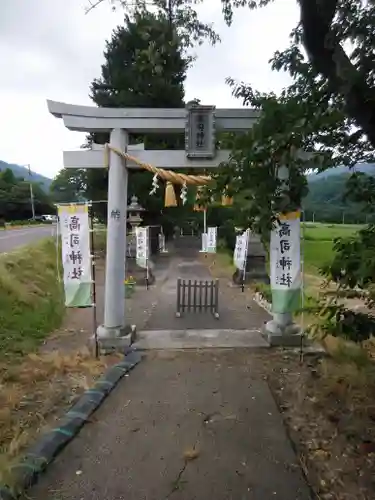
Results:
<point x="282" y="335"/>
<point x="114" y="339"/>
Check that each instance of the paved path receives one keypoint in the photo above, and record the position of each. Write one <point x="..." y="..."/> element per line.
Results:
<point x="186" y="424"/>
<point x="182" y="426"/>
<point x="10" y="239"/>
<point x="192" y="267"/>
<point x="239" y="324"/>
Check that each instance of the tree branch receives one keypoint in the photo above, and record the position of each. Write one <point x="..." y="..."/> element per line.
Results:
<point x="329" y="58"/>
<point x="92" y="5"/>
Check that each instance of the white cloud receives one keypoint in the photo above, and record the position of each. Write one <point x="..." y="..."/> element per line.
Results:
<point x="52" y="49"/>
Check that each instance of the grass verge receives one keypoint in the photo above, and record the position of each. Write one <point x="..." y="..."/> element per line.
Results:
<point x="32" y="298"/>
<point x="31" y="304"/>
<point x="37" y="386"/>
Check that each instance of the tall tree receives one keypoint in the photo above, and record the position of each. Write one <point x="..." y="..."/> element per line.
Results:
<point x="144" y="67"/>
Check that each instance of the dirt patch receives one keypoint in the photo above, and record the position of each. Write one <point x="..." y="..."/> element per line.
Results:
<point x="328" y="407"/>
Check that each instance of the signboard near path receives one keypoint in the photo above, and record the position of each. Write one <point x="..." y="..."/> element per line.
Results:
<point x="76" y="255"/>
<point x="142" y="238"/>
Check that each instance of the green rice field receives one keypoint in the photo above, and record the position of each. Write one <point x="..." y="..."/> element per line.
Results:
<point x="317" y="242"/>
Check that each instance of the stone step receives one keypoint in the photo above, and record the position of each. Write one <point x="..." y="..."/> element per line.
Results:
<point x="199" y="339"/>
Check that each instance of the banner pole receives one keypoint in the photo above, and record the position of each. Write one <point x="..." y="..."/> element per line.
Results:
<point x="245" y="261"/>
<point x="93" y="289"/>
<point x="147" y="251"/>
<point x="146" y="273"/>
<point x="302" y="253"/>
<point x="58" y="256"/>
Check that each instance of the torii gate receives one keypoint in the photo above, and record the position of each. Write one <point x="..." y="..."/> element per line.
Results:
<point x="199" y="123"/>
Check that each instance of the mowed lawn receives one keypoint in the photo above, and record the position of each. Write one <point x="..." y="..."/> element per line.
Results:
<point x="318" y="240"/>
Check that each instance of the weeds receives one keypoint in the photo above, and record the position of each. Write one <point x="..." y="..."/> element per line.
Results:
<point x="31" y="302"/>
<point x="100" y="239"/>
<point x="34" y="392"/>
<point x="220" y="264"/>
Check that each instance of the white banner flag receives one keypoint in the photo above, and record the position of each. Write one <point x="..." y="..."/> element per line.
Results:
<point x="204" y="243"/>
<point x="142" y="255"/>
<point x="162" y="247"/>
<point x="240" y="251"/>
<point x="285" y="263"/>
<point x="211" y="239"/>
<point x="76" y="255"/>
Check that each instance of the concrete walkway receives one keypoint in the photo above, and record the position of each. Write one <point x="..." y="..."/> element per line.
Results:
<point x="239" y="324"/>
<point x="187" y="425"/>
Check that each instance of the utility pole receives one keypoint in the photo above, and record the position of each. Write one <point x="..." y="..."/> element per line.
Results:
<point x="31" y="194"/>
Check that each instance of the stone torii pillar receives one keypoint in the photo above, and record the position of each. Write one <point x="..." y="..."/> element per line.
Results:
<point x="114" y="332"/>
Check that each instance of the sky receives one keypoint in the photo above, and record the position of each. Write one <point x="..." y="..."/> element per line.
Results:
<point x="52" y="49"/>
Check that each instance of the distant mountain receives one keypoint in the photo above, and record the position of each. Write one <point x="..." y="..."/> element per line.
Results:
<point x="366" y="168"/>
<point x="20" y="171"/>
<point x="325" y="201"/>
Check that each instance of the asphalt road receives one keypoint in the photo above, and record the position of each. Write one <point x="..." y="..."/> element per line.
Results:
<point x="10" y="239"/>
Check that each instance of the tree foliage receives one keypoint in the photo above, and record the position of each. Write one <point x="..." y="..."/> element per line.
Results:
<point x="258" y="156"/>
<point x="70" y="185"/>
<point x="144" y="66"/>
<point x="181" y="16"/>
<point x="352" y="268"/>
<point x="15" y="203"/>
